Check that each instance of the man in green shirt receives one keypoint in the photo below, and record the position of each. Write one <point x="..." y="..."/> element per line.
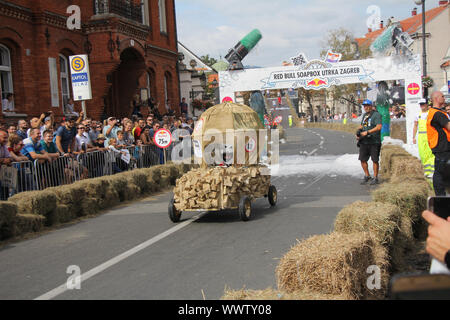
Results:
<point x="369" y="141"/>
<point x="48" y="145"/>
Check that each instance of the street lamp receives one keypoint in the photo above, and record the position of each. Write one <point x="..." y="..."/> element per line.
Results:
<point x="424" y="49"/>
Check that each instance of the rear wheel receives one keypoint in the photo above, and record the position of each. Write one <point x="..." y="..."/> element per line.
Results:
<point x="272" y="195"/>
<point x="174" y="214"/>
<point x="245" y="208"/>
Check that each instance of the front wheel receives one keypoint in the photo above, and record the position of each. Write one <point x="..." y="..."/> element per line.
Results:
<point x="245" y="208"/>
<point x="174" y="214"/>
<point x="272" y="195"/>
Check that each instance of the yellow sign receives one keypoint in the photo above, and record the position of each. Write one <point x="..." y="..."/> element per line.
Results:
<point x="78" y="64"/>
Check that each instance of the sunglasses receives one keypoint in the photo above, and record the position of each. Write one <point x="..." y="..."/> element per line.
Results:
<point x="81" y="128"/>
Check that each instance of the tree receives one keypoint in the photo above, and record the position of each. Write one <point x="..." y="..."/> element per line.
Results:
<point x="343" y="41"/>
<point x="209" y="61"/>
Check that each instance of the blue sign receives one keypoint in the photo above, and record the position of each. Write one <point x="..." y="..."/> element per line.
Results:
<point x="80" y="77"/>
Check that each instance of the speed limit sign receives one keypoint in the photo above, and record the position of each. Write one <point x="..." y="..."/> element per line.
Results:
<point x="162" y="138"/>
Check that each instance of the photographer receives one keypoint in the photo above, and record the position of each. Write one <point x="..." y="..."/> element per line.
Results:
<point x="369" y="142"/>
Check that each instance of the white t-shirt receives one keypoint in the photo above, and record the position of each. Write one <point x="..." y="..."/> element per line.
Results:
<point x="421" y="116"/>
<point x="84" y="138"/>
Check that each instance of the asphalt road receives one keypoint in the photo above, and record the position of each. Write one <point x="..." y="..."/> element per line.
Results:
<point x="136" y="252"/>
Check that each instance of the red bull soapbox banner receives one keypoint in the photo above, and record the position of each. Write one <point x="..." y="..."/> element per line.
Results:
<point x="316" y="74"/>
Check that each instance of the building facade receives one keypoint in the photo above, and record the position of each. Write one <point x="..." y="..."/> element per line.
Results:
<point x="437" y="26"/>
<point x="131" y="44"/>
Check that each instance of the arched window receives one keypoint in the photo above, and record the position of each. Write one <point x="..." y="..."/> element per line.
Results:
<point x="6" y="80"/>
<point x="64" y="74"/>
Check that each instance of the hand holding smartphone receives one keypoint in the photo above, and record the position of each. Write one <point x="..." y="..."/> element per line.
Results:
<point x="439" y="206"/>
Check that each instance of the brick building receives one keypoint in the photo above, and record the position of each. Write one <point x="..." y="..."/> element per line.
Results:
<point x="132" y="48"/>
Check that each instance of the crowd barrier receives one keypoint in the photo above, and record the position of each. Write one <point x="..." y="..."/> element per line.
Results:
<point x="39" y="175"/>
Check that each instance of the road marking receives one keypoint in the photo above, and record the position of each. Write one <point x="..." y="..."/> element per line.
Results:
<point x="85" y="276"/>
<point x="312" y="152"/>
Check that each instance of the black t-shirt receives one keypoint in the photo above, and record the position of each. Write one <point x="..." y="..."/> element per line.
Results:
<point x="439" y="121"/>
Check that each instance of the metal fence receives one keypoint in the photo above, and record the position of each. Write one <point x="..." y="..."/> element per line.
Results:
<point x="38" y="175"/>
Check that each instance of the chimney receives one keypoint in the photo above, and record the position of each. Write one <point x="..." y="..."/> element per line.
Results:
<point x="443" y="3"/>
<point x="381" y="24"/>
<point x="414" y="12"/>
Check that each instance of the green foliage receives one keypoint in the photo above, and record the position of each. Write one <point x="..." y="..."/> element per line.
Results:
<point x="209" y="61"/>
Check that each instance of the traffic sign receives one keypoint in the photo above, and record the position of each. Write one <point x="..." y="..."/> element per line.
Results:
<point x="162" y="138"/>
<point x="81" y="82"/>
<point x="413" y="89"/>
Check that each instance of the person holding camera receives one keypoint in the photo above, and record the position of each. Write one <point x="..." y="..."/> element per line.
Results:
<point x="369" y="142"/>
<point x="438" y="133"/>
<point x="110" y="131"/>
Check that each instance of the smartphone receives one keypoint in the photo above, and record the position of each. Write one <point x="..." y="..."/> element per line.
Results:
<point x="439" y="206"/>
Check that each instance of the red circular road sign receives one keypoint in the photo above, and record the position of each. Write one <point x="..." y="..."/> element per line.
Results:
<point x="162" y="138"/>
<point x="413" y="88"/>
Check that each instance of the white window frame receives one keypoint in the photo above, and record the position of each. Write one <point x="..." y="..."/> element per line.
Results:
<point x="145" y="12"/>
<point x="162" y="16"/>
<point x="65" y="75"/>
<point x="8" y="70"/>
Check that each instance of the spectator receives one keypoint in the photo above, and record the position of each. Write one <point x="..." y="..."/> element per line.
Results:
<point x="96" y="129"/>
<point x="100" y="142"/>
<point x="11" y="130"/>
<point x="145" y="136"/>
<point x="36" y="123"/>
<point x="136" y="105"/>
<point x="83" y="143"/>
<point x="22" y="126"/>
<point x="447" y="108"/>
<point x="65" y="137"/>
<point x="120" y="140"/>
<point x="183" y="106"/>
<point x="5" y="157"/>
<point x="110" y="131"/>
<point x="149" y="121"/>
<point x="8" y="103"/>
<point x="115" y="153"/>
<point x="138" y="130"/>
<point x="48" y="145"/>
<point x="128" y="137"/>
<point x="155" y="128"/>
<point x="48" y="123"/>
<point x="69" y="109"/>
<point x="33" y="148"/>
<point x="15" y="145"/>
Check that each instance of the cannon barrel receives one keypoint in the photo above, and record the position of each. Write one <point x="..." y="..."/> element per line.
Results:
<point x="241" y="49"/>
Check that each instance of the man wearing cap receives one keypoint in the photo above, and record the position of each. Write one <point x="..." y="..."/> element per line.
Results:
<point x="438" y="133"/>
<point x="369" y="141"/>
<point x="426" y="155"/>
<point x="110" y="131"/>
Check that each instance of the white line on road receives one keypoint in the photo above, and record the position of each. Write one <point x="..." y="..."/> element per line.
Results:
<point x="63" y="288"/>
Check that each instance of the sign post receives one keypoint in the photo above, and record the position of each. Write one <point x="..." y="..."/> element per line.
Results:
<point x="81" y="80"/>
<point x="163" y="139"/>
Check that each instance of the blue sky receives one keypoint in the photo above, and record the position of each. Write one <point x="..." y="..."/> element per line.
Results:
<point x="288" y="26"/>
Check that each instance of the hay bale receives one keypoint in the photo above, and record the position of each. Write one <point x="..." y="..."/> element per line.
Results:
<point x="388" y="152"/>
<point x="331" y="264"/>
<point x="380" y="219"/>
<point x="138" y="178"/>
<point x="96" y="187"/>
<point x="271" y="294"/>
<point x="406" y="166"/>
<point x="411" y="198"/>
<point x="61" y="214"/>
<point x="35" y="202"/>
<point x="8" y="213"/>
<point x="26" y="223"/>
<point x="118" y="183"/>
<point x="71" y="196"/>
<point x="90" y="206"/>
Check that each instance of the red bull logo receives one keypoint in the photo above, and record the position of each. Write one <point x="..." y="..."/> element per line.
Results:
<point x="317" y="83"/>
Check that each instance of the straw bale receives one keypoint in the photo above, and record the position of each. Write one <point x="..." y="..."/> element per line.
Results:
<point x="35" y="202"/>
<point x="388" y="152"/>
<point x="61" y="214"/>
<point x="96" y="187"/>
<point x="406" y="167"/>
<point x="8" y="211"/>
<point x="378" y="218"/>
<point x="411" y="198"/>
<point x="332" y="264"/>
<point x="26" y="223"/>
<point x="138" y="178"/>
<point x="272" y="294"/>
